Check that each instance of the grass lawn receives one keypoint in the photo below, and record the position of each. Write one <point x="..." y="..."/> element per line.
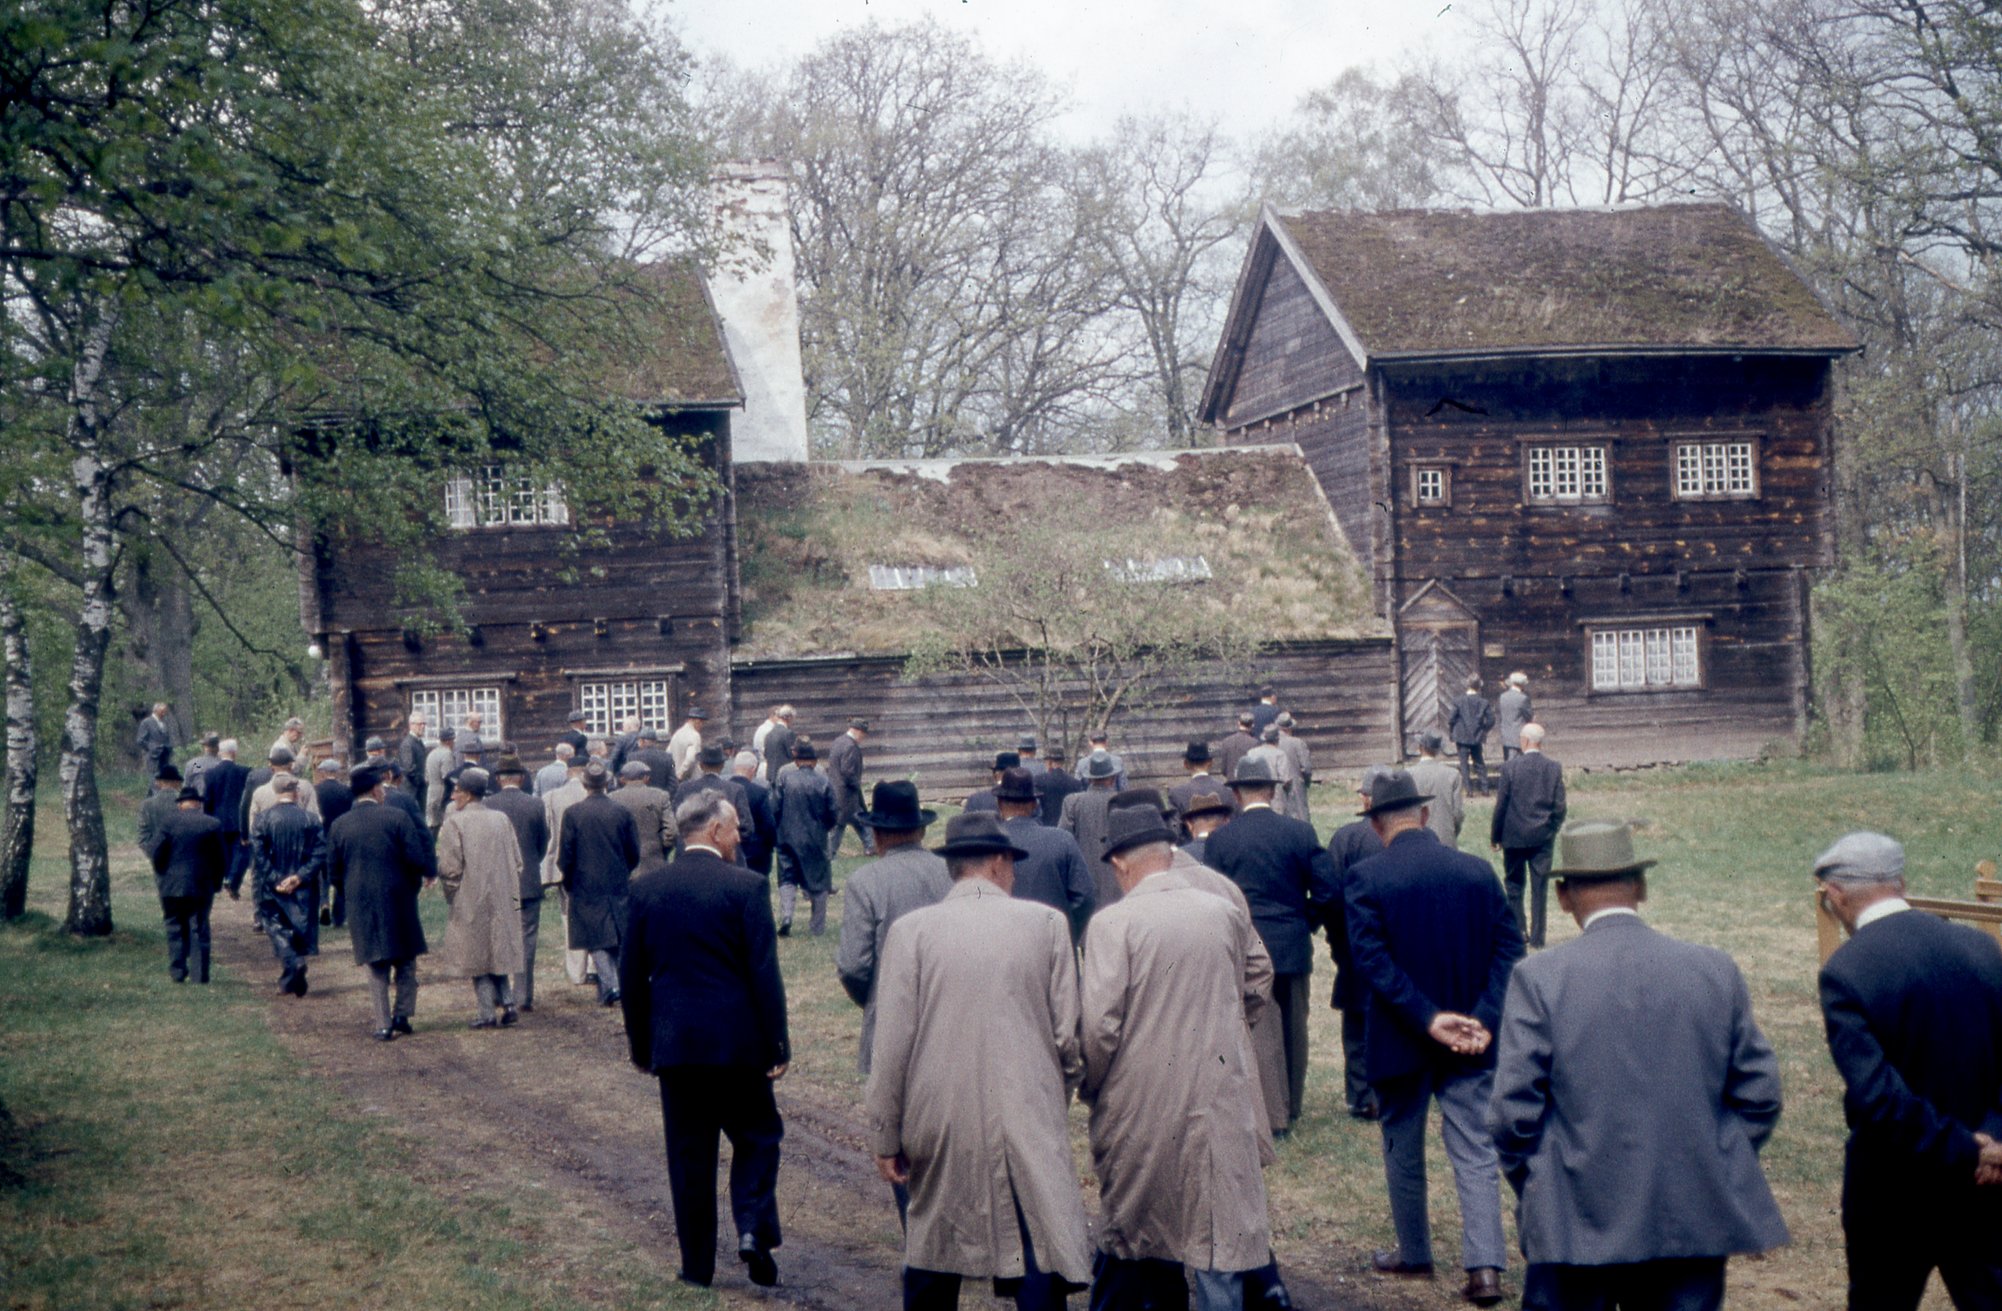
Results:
<point x="167" y="1151"/>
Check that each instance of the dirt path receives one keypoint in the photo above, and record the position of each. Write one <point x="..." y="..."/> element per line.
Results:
<point x="551" y="1116"/>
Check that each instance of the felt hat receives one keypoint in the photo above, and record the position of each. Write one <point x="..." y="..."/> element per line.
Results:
<point x="1006" y="760"/>
<point x="1133" y="826"/>
<point x="364" y="778"/>
<point x="576" y="717"/>
<point x="187" y="794"/>
<point x="167" y="774"/>
<point x="1430" y="741"/>
<point x="375" y="744"/>
<point x="1246" y="719"/>
<point x="1208" y="803"/>
<point x="1253" y="774"/>
<point x="447" y="733"/>
<point x="472" y="782"/>
<point x="1149" y="797"/>
<point x="861" y="724"/>
<point x="285" y="785"/>
<point x="1196" y="753"/>
<point x="1016" y="784"/>
<point x="1053" y="751"/>
<point x="1026" y="745"/>
<point x="1863" y="858"/>
<point x="1285" y="719"/>
<point x="710" y="756"/>
<point x="893" y="804"/>
<point x="978" y="834"/>
<point x="1101" y="765"/>
<point x="635" y="769"/>
<point x="328" y="765"/>
<point x="1270" y="733"/>
<point x="509" y="764"/>
<point x="1364" y="785"/>
<point x="697" y="712"/>
<point x="1394" y="789"/>
<point x="1597" y="849"/>
<point x="596" y="776"/>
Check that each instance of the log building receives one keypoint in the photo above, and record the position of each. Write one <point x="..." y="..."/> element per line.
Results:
<point x="1590" y="445"/>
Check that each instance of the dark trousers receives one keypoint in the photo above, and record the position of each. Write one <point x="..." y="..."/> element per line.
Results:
<point x="282" y="914"/>
<point x="334" y="897"/>
<point x="1289" y="994"/>
<point x="1355" y="1075"/>
<point x="1036" y="1290"/>
<point x="1470" y="759"/>
<point x="380" y="975"/>
<point x="1892" y="1256"/>
<point x="700" y="1105"/>
<point x="531" y="929"/>
<point x="187" y="936"/>
<point x="1688" y="1284"/>
<point x="1531" y="865"/>
<point x="1509" y="753"/>
<point x="239" y="863"/>
<point x="1144" y="1284"/>
<point x="844" y="819"/>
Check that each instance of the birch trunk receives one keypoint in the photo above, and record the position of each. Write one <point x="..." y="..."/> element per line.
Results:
<point x="17" y="824"/>
<point x="90" y="866"/>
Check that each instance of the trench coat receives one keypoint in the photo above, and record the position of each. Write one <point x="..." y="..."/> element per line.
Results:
<point x="479" y="864"/>
<point x="803" y="804"/>
<point x="878" y="895"/>
<point x="553" y="807"/>
<point x="974" y="1061"/>
<point x="1174" y="1093"/>
<point x="381" y="857"/>
<point x="598" y="850"/>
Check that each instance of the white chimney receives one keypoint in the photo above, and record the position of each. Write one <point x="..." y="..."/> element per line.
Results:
<point x="755" y="295"/>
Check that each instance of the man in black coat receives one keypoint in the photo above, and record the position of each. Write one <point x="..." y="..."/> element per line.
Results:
<point x="384" y="861"/>
<point x="531" y="830"/>
<point x="159" y="804"/>
<point x="984" y="799"/>
<point x="1913" y="1007"/>
<point x="778" y="744"/>
<point x="1433" y="936"/>
<point x="1279" y="864"/>
<point x="574" y="734"/>
<point x="188" y="863"/>
<point x="659" y="761"/>
<point x="1200" y="782"/>
<point x="288" y="860"/>
<point x="705" y="1013"/>
<point x="1055" y="872"/>
<point x="1349" y="846"/>
<point x="844" y="772"/>
<point x="596" y="852"/>
<point x="156" y="741"/>
<point x="757" y="827"/>
<point x="1469" y="724"/>
<point x="410" y="755"/>
<point x="222" y="799"/>
<point x="336" y="798"/>
<point x="1053" y="784"/>
<point x="1529" y="814"/>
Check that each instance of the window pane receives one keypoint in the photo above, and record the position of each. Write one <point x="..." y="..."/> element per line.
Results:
<point x="1541" y="481"/>
<point x="1605" y="661"/>
<point x="1657" y="657"/>
<point x="1686" y="671"/>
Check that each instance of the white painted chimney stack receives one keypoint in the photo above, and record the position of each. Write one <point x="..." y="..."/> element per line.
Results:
<point x="759" y="304"/>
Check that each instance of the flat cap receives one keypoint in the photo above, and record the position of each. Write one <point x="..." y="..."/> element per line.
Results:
<point x="375" y="744"/>
<point x="1863" y="857"/>
<point x="281" y="756"/>
<point x="635" y="769"/>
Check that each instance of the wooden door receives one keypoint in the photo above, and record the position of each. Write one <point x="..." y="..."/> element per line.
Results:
<point x="1439" y="646"/>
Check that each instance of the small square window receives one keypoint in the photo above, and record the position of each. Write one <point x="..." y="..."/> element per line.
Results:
<point x="1431" y="484"/>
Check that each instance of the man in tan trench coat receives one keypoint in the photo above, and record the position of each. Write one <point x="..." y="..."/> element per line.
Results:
<point x="479" y="866"/>
<point x="1176" y="1129"/>
<point x="974" y="1060"/>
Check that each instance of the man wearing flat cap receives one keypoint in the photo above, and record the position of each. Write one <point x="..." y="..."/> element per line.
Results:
<point x="1055" y="871"/>
<point x="1177" y="1136"/>
<point x="283" y="764"/>
<point x="646" y="750"/>
<point x="189" y="861"/>
<point x="974" y="1060"/>
<point x="1084" y="819"/>
<point x="803" y="809"/>
<point x="573" y="732"/>
<point x="1439" y="780"/>
<point x="1913" y="1007"/>
<point x="844" y="773"/>
<point x="1434" y="939"/>
<point x="1632" y="1094"/>
<point x="1287" y="879"/>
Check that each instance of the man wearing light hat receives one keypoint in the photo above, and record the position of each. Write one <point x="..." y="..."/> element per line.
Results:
<point x="683" y="744"/>
<point x="1433" y="937"/>
<point x="264" y="796"/>
<point x="1913" y="1007"/>
<point x="974" y="1060"/>
<point x="479" y="867"/>
<point x="1632" y="1094"/>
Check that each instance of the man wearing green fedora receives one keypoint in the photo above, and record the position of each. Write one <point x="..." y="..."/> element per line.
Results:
<point x="1632" y="1094"/>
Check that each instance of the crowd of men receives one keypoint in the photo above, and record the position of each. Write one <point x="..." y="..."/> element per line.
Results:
<point x="1150" y="953"/>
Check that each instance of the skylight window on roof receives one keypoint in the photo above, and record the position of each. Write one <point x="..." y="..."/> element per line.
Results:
<point x="913" y="577"/>
<point x="1161" y="569"/>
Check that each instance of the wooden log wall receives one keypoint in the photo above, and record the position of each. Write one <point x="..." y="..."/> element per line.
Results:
<point x="944" y="732"/>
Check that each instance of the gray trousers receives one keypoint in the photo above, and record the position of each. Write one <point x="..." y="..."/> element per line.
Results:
<point x="492" y="993"/>
<point x="379" y="973"/>
<point x="531" y="929"/>
<point x="605" y="965"/>
<point x="1463" y="1105"/>
<point x="1289" y="998"/>
<point x="789" y="897"/>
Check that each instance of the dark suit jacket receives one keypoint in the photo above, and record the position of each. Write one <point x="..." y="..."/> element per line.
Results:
<point x="382" y="857"/>
<point x="1261" y="715"/>
<point x="1529" y="802"/>
<point x="1231" y="750"/>
<point x="1183" y="793"/>
<point x="1913" y="1007"/>
<point x="699" y="975"/>
<point x="153" y="813"/>
<point x="336" y="799"/>
<point x="410" y="754"/>
<point x="660" y="763"/>
<point x="222" y="795"/>
<point x="531" y="830"/>
<point x="1286" y="877"/>
<point x="1348" y="846"/>
<point x="156" y="746"/>
<point x="598" y="849"/>
<point x="981" y="802"/>
<point x="1052" y="786"/>
<point x="1431" y="932"/>
<point x="1473" y="716"/>
<point x="1055" y="873"/>
<point x="1633" y="1093"/>
<point x="580" y="745"/>
<point x="189" y="858"/>
<point x="778" y="750"/>
<point x="844" y="771"/>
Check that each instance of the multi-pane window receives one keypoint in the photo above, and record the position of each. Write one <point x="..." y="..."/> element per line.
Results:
<point x="607" y="705"/>
<point x="1161" y="569"/>
<point x="914" y="577"/>
<point x="1716" y="469"/>
<point x="444" y="707"/>
<point x="1430" y="485"/>
<point x="1566" y="475"/>
<point x="493" y="498"/>
<point x="1639" y="659"/>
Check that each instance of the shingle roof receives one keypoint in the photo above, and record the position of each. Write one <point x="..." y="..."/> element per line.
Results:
<point x="1415" y="283"/>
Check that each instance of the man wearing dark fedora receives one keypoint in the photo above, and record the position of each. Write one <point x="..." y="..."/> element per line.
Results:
<point x="1284" y="871"/>
<point x="803" y="809"/>
<point x="1434" y="939"/>
<point x="1349" y="846"/>
<point x="1201" y="814"/>
<point x="976" y="1054"/>
<point x="1196" y="758"/>
<point x="1054" y="872"/>
<point x="984" y="798"/>
<point x="189" y="861"/>
<point x="1084" y="819"/>
<point x="1632" y="1094"/>
<point x="1054" y="785"/>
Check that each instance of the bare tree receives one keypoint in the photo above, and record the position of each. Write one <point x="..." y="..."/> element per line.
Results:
<point x="1357" y="143"/>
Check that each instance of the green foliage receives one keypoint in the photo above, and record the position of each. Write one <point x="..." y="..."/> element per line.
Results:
<point x="1885" y="626"/>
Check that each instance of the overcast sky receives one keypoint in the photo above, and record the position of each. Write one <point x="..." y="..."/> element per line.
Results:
<point x="1245" y="62"/>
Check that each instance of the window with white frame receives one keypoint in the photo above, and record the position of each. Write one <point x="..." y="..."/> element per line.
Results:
<point x="443" y="707"/>
<point x="1716" y="470"/>
<point x="915" y="577"/>
<point x="1566" y="475"/>
<point x="1431" y="484"/>
<point x="1161" y="569"/>
<point x="607" y="704"/>
<point x="1646" y="659"/>
<point x="493" y="498"/>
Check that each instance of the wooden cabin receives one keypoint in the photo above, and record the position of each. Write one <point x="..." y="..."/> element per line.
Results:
<point x="643" y="626"/>
<point x="1593" y="446"/>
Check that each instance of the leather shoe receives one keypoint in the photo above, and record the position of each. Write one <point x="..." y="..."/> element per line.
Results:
<point x="401" y="1024"/>
<point x="758" y="1263"/>
<point x="1484" y="1286"/>
<point x="385" y="1035"/>
<point x="483" y="1024"/>
<point x="509" y="1017"/>
<point x="1390" y="1263"/>
<point x="612" y="998"/>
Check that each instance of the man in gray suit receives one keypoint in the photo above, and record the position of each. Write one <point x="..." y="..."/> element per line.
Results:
<point x="1632" y="1094"/>
<point x="1512" y="711"/>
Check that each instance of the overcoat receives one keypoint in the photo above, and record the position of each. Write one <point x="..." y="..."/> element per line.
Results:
<point x="1055" y="873"/>
<point x="1448" y="806"/>
<point x="975" y="1058"/>
<point x="383" y="858"/>
<point x="531" y="832"/>
<point x="222" y="795"/>
<point x="1290" y="800"/>
<point x="479" y="864"/>
<point x="803" y="806"/>
<point x="1632" y="1093"/>
<point x="189" y="858"/>
<point x="1512" y="711"/>
<point x="1174" y="1093"/>
<point x="410" y="759"/>
<point x="876" y="896"/>
<point x="554" y="806"/>
<point x="653" y="817"/>
<point x="1286" y="877"/>
<point x="1529" y="802"/>
<point x="1085" y="819"/>
<point x="598" y="850"/>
